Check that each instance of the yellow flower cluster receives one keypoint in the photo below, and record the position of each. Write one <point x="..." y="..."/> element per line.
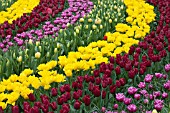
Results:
<point x="16" y="86"/>
<point x="17" y="9"/>
<point x="140" y="15"/>
<point x="95" y="53"/>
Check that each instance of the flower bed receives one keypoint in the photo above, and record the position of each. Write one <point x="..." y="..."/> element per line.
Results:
<point x="111" y="77"/>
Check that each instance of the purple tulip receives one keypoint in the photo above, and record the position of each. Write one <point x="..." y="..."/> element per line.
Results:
<point x="132" y="108"/>
<point x="158" y="75"/>
<point x="132" y="90"/>
<point x="120" y="97"/>
<point x="148" y="78"/>
<point x="164" y="95"/>
<point x="142" y="85"/>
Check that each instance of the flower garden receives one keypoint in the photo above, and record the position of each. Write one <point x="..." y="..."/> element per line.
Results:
<point x="84" y="56"/>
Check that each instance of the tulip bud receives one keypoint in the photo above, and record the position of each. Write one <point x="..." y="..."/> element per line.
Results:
<point x="37" y="43"/>
<point x="119" y="14"/>
<point x="19" y="59"/>
<point x="110" y="20"/>
<point x="94" y="26"/>
<point x="48" y="54"/>
<point x="101" y="26"/>
<point x="77" y="31"/>
<point x="30" y="41"/>
<point x="86" y="27"/>
<point x="37" y="55"/>
<point x="58" y="45"/>
<point x="61" y="30"/>
<point x="39" y="48"/>
<point x="75" y="34"/>
<point x="65" y="34"/>
<point x="94" y="6"/>
<point x="8" y="63"/>
<point x="90" y="32"/>
<point x="55" y="50"/>
<point x="90" y="20"/>
<point x="68" y="44"/>
<point x="115" y="20"/>
<point x="118" y="10"/>
<point x="81" y="19"/>
<point x="121" y="7"/>
<point x="115" y="7"/>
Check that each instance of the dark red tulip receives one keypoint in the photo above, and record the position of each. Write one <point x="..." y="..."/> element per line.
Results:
<point x="122" y="81"/>
<point x="103" y="94"/>
<point x="98" y="80"/>
<point x="118" y="70"/>
<point x="96" y="73"/>
<point x="67" y="88"/>
<point x="53" y="105"/>
<point x="131" y="74"/>
<point x="112" y="89"/>
<point x="66" y="107"/>
<point x="96" y="91"/>
<point x="15" y="109"/>
<point x="111" y="60"/>
<point x="74" y="85"/>
<point x="34" y="109"/>
<point x="77" y="104"/>
<point x="62" y="89"/>
<point x="54" y="92"/>
<point x="76" y="95"/>
<point x="38" y="104"/>
<point x="111" y="66"/>
<point x="31" y="97"/>
<point x="86" y="100"/>
<point x="1" y="110"/>
<point x="60" y="100"/>
<point x="118" y="83"/>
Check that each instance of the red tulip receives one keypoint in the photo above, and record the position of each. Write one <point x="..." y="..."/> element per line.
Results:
<point x="96" y="73"/>
<point x="77" y="104"/>
<point x="54" y="92"/>
<point x="105" y="38"/>
<point x="67" y="88"/>
<point x="118" y="70"/>
<point x="112" y="89"/>
<point x="53" y="105"/>
<point x="103" y="94"/>
<point x="15" y="109"/>
<point x="86" y="100"/>
<point x="1" y="110"/>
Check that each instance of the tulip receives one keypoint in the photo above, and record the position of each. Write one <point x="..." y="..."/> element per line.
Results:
<point x="1" y="110"/>
<point x="118" y="70"/>
<point x="142" y="85"/>
<point x="164" y="95"/>
<point x="53" y="105"/>
<point x="103" y="94"/>
<point x="115" y="106"/>
<point x="15" y="109"/>
<point x="137" y="96"/>
<point x="120" y="97"/>
<point x="132" y="90"/>
<point x="54" y="92"/>
<point x="37" y="55"/>
<point x="77" y="104"/>
<point x="132" y="108"/>
<point x="31" y="97"/>
<point x="86" y="100"/>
